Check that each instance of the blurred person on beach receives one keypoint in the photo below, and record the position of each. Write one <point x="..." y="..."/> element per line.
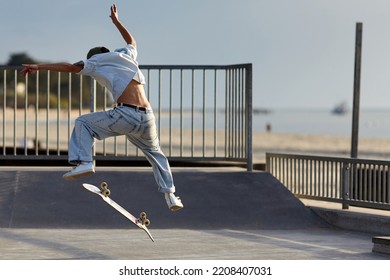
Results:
<point x="132" y="115"/>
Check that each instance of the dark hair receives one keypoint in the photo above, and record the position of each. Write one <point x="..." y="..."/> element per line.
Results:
<point x="97" y="50"/>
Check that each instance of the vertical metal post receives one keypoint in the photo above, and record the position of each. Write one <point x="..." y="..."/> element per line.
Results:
<point x="4" y="110"/>
<point x="345" y="182"/>
<point x="93" y="96"/>
<point x="69" y="105"/>
<point x="249" y="111"/>
<point x="159" y="102"/>
<point x="356" y="90"/>
<point x="170" y="112"/>
<point x="47" y="112"/>
<point x="192" y="110"/>
<point x="204" y="115"/>
<point x="15" y="108"/>
<point x="215" y="112"/>
<point x="58" y="112"/>
<point x="267" y="163"/>
<point x="25" y="116"/>
<point x="93" y="108"/>
<point x="36" y="142"/>
<point x="181" y="112"/>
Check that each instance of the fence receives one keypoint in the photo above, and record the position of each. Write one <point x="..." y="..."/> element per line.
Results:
<point x="202" y="113"/>
<point x="357" y="182"/>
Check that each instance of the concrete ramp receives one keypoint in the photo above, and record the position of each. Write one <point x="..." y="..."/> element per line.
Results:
<point x="213" y="199"/>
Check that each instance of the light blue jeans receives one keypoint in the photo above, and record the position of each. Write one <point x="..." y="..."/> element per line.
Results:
<point x="139" y="128"/>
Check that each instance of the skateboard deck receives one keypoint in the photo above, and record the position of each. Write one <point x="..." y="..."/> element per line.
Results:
<point x="103" y="192"/>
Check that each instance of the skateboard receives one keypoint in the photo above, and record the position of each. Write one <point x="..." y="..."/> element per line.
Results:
<point x="142" y="222"/>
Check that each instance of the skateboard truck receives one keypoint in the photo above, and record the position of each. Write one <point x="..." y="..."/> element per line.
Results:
<point x="104" y="187"/>
<point x="142" y="219"/>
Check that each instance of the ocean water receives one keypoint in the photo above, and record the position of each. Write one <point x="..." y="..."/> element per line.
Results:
<point x="372" y="123"/>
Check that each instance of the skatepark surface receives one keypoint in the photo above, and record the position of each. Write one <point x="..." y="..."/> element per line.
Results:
<point x="228" y="213"/>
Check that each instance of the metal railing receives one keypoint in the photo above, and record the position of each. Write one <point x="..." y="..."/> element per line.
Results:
<point x="350" y="181"/>
<point x="202" y="113"/>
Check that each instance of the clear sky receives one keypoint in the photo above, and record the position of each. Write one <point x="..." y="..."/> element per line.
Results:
<point x="302" y="50"/>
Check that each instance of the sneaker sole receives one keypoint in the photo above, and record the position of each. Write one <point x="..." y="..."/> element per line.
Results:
<point x="73" y="177"/>
<point x="175" y="208"/>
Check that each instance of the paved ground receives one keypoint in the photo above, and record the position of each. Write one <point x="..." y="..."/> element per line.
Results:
<point x="119" y="244"/>
<point x="229" y="214"/>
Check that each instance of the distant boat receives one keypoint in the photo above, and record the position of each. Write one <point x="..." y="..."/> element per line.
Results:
<point x="340" y="109"/>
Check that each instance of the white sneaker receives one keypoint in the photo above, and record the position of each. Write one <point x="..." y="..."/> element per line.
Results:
<point x="82" y="170"/>
<point x="174" y="202"/>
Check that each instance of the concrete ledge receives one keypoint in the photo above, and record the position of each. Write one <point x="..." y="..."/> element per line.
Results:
<point x="355" y="221"/>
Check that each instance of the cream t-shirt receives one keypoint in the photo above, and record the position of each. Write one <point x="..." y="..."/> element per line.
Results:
<point x="114" y="70"/>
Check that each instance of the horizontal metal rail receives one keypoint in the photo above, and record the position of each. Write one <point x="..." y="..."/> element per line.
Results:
<point x="203" y="113"/>
<point x="350" y="181"/>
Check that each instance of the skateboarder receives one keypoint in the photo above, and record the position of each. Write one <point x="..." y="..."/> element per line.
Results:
<point x="132" y="116"/>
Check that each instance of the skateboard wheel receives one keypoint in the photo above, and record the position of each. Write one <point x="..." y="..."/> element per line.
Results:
<point x="103" y="185"/>
<point x="146" y="223"/>
<point x="142" y="215"/>
<point x="106" y="192"/>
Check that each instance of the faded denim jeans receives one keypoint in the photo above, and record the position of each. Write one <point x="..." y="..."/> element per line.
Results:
<point x="139" y="128"/>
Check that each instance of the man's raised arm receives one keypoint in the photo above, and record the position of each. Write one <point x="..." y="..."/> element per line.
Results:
<point x="122" y="29"/>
